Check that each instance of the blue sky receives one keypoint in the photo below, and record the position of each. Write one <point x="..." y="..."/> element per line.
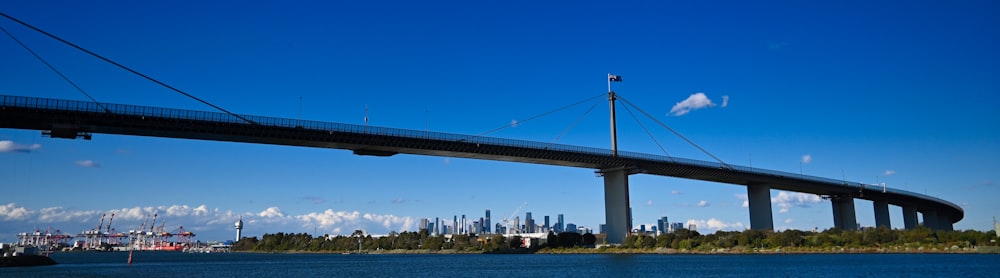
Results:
<point x="902" y="92"/>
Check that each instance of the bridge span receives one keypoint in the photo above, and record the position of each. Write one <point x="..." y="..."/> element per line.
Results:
<point x="77" y="119"/>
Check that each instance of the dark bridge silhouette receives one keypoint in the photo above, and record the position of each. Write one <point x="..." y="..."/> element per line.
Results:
<point x="77" y="119"/>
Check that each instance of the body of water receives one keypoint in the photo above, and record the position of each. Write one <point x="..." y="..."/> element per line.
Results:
<point x="175" y="264"/>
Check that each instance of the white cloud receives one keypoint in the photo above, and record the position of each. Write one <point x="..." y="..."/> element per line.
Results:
<point x="271" y="212"/>
<point x="725" y="101"/>
<point x="889" y="173"/>
<point x="676" y="192"/>
<point x="10" y="146"/>
<point x="87" y="164"/>
<point x="13" y="212"/>
<point x="785" y="200"/>
<point x="703" y="203"/>
<point x="788" y="221"/>
<point x="208" y="223"/>
<point x="807" y="158"/>
<point x="744" y="198"/>
<point x="694" y="102"/>
<point x="329" y="218"/>
<point x="649" y="202"/>
<point x="712" y="225"/>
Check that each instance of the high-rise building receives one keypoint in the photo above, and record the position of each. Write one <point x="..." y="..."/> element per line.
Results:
<point x="692" y="227"/>
<point x="454" y="224"/>
<point x="676" y="226"/>
<point x="547" y="227"/>
<point x="437" y="226"/>
<point x="571" y="228"/>
<point x="486" y="224"/>
<point x="423" y="224"/>
<point x="663" y="224"/>
<point x="560" y="225"/>
<point x="601" y="228"/>
<point x="464" y="226"/>
<point x="529" y="224"/>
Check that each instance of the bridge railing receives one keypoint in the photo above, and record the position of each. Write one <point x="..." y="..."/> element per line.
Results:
<point x="180" y="114"/>
<point x="170" y="113"/>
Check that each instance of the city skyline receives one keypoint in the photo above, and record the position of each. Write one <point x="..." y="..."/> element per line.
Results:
<point x="893" y="92"/>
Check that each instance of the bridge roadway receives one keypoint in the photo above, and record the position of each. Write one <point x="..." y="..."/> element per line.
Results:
<point x="78" y="119"/>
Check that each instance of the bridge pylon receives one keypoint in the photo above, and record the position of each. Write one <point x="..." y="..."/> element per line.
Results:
<point x="617" y="208"/>
<point x="759" y="201"/>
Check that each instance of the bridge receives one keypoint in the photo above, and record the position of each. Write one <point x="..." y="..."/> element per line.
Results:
<point x="78" y="119"/>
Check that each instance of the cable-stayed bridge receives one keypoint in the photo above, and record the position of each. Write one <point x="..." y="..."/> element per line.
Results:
<point x="78" y="119"/>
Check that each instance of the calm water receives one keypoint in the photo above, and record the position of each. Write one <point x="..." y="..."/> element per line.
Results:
<point x="169" y="264"/>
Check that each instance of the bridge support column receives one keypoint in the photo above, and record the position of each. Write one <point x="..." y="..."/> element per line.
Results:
<point x="882" y="214"/>
<point x="759" y="197"/>
<point x="930" y="220"/>
<point x="616" y="206"/>
<point x="944" y="223"/>
<point x="909" y="218"/>
<point x="843" y="213"/>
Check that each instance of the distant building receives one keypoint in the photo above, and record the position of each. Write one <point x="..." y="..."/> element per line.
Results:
<point x="570" y="227"/>
<point x="560" y="225"/>
<point x="676" y="226"/>
<point x="692" y="227"/>
<point x="547" y="227"/>
<point x="486" y="222"/>
<point x="601" y="228"/>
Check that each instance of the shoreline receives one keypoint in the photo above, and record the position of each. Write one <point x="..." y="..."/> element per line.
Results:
<point x="659" y="251"/>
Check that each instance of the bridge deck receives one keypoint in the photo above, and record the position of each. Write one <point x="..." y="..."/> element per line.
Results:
<point x="68" y="119"/>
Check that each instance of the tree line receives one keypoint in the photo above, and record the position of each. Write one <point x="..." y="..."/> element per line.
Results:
<point x="681" y="239"/>
<point x="358" y="242"/>
<point x="881" y="237"/>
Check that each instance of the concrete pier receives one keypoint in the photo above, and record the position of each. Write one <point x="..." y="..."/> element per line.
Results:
<point x="759" y="197"/>
<point x="616" y="206"/>
<point x="910" y="218"/>
<point x="882" y="214"/>
<point x="931" y="220"/>
<point x="843" y="213"/>
<point x="944" y="223"/>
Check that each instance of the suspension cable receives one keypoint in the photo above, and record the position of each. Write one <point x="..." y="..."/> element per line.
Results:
<point x="650" y="134"/>
<point x="124" y="67"/>
<point x="572" y="125"/>
<point x="513" y="123"/>
<point x="33" y="53"/>
<point x="674" y="132"/>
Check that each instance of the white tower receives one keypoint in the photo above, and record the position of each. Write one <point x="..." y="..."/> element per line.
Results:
<point x="239" y="228"/>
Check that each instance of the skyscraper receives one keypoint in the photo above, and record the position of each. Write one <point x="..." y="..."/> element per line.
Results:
<point x="486" y="224"/>
<point x="437" y="226"/>
<point x="529" y="223"/>
<point x="454" y="224"/>
<point x="547" y="227"/>
<point x="560" y="226"/>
